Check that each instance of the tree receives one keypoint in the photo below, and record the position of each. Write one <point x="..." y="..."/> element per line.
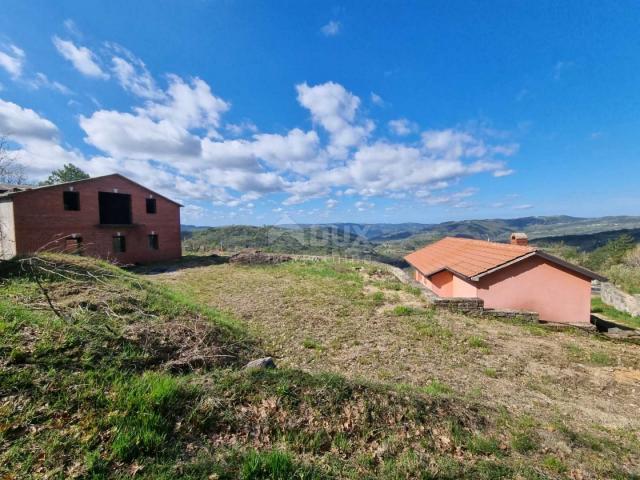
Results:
<point x="11" y="171"/>
<point x="68" y="173"/>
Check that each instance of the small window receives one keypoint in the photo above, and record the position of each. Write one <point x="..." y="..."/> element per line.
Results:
<point x="151" y="205"/>
<point x="119" y="244"/>
<point x="71" y="200"/>
<point x="73" y="245"/>
<point x="153" y="241"/>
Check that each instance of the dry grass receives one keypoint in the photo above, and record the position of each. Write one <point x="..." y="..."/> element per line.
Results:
<point x="362" y="323"/>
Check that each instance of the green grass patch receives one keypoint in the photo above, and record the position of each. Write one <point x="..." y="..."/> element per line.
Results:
<point x="437" y="388"/>
<point x="490" y="372"/>
<point x="145" y="411"/>
<point x="311" y="344"/>
<point x="598" y="306"/>
<point x="403" y="311"/>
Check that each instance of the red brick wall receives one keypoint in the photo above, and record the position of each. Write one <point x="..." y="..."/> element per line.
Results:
<point x="42" y="223"/>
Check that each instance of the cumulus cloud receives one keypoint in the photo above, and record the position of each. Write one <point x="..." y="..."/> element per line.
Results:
<point x="402" y="127"/>
<point x="135" y="78"/>
<point x="174" y="140"/>
<point x="137" y="136"/>
<point x="12" y="59"/>
<point x="331" y="29"/>
<point x="334" y="108"/>
<point x="24" y="125"/>
<point x="188" y="104"/>
<point x="83" y="59"/>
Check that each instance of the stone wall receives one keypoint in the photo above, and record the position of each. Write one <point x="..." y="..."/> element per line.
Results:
<point x="475" y="306"/>
<point x="458" y="304"/>
<point x="620" y="300"/>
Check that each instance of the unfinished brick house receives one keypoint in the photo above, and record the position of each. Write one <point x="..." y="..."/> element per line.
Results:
<point x="110" y="217"/>
<point x="512" y="276"/>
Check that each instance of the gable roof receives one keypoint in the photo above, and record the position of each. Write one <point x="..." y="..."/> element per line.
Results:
<point x="473" y="259"/>
<point x="12" y="190"/>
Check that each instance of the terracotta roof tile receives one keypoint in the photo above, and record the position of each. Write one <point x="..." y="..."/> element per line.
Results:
<point x="464" y="256"/>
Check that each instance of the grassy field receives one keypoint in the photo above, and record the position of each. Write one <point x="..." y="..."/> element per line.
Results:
<point x="564" y="401"/>
<point x="110" y="374"/>
<point x="624" y="318"/>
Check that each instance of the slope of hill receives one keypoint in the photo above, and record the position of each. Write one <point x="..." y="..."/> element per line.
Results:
<point x="318" y="240"/>
<point x="591" y="241"/>
<point x="386" y="242"/>
<point x="105" y="374"/>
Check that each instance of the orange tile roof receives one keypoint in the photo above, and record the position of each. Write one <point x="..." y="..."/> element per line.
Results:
<point x="464" y="256"/>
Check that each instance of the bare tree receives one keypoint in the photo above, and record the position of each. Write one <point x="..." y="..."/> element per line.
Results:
<point x="11" y="171"/>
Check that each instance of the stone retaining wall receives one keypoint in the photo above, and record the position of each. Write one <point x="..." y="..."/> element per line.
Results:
<point x="458" y="304"/>
<point x="620" y="300"/>
<point x="475" y="306"/>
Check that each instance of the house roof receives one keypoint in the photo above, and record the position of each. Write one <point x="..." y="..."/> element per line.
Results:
<point x="11" y="190"/>
<point x="473" y="259"/>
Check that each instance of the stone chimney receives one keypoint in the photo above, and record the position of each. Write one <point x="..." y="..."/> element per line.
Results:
<point x="519" y="238"/>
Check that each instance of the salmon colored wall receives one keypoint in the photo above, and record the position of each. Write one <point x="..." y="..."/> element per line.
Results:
<point x="446" y="284"/>
<point x="442" y="283"/>
<point x="462" y="288"/>
<point x="537" y="285"/>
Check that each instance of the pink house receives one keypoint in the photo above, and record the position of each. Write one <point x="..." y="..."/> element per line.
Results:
<point x="512" y="276"/>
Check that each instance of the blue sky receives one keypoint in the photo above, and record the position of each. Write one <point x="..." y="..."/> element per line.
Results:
<point x="262" y="112"/>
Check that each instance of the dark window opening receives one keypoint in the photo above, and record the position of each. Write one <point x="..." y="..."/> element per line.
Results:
<point x="73" y="246"/>
<point x="153" y="241"/>
<point x="151" y="205"/>
<point x="115" y="208"/>
<point x="71" y="200"/>
<point x="119" y="244"/>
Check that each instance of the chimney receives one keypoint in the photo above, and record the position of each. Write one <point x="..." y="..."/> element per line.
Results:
<point x="519" y="238"/>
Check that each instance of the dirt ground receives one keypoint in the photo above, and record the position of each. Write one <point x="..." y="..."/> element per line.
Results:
<point x="365" y="324"/>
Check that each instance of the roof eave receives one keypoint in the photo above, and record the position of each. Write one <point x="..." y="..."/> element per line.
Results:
<point x="40" y="187"/>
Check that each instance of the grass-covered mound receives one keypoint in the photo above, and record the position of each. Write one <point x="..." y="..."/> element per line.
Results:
<point x="105" y="375"/>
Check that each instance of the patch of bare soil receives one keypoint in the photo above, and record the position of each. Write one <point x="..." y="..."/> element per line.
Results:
<point x="333" y="322"/>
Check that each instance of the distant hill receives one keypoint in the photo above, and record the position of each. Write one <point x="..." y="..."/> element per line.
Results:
<point x="388" y="241"/>
<point x="494" y="229"/>
<point x="591" y="241"/>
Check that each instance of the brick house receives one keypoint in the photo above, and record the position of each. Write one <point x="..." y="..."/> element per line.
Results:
<point x="110" y="217"/>
<point x="513" y="276"/>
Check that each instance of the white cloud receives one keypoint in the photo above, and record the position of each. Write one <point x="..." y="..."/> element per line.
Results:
<point x="454" y="199"/>
<point x="525" y="206"/>
<point x="238" y="129"/>
<point x="83" y="59"/>
<point x="139" y="137"/>
<point x="40" y="80"/>
<point x="331" y="29"/>
<point x="402" y="127"/>
<point x="503" y="172"/>
<point x="190" y="213"/>
<point x="297" y="151"/>
<point x="135" y="78"/>
<point x="334" y="108"/>
<point x="174" y="140"/>
<point x="24" y="125"/>
<point x="12" y="59"/>
<point x="377" y="99"/>
<point x="189" y="105"/>
<point x="363" y="206"/>
<point x="72" y="28"/>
